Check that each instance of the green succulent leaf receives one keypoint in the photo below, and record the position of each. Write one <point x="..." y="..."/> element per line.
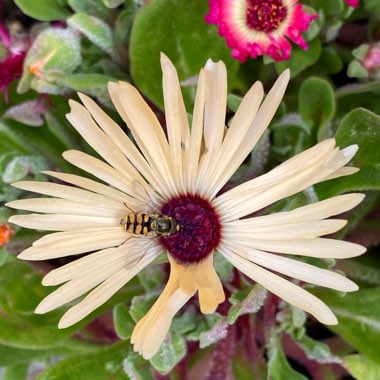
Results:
<point x="43" y="10"/>
<point x="187" y="40"/>
<point x="278" y="366"/>
<point x="301" y="60"/>
<point x="91" y="84"/>
<point x="361" y="367"/>
<point x="359" y="127"/>
<point x="358" y="314"/>
<point x="112" y="3"/>
<point x="172" y="351"/>
<point x="124" y="323"/>
<point x="243" y="303"/>
<point x="103" y="364"/>
<point x="316" y="104"/>
<point x="55" y="52"/>
<point x="91" y="7"/>
<point x="95" y="29"/>
<point x="15" y="372"/>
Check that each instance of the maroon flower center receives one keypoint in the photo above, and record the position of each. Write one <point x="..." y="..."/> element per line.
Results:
<point x="200" y="228"/>
<point x="265" y="15"/>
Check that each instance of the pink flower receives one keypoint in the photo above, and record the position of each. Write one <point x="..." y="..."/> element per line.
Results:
<point x="259" y="27"/>
<point x="372" y="59"/>
<point x="12" y="65"/>
<point x="353" y="3"/>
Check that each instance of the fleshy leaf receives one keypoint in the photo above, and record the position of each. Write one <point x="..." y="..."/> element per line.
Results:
<point x="170" y="353"/>
<point x="92" y="84"/>
<point x="278" y="366"/>
<point x="178" y="40"/>
<point x="106" y="363"/>
<point x="361" y="367"/>
<point x="300" y="60"/>
<point x="91" y="7"/>
<point x="136" y="367"/>
<point x="246" y="303"/>
<point x="217" y="332"/>
<point x="55" y="52"/>
<point x="360" y="127"/>
<point x="43" y="10"/>
<point x="358" y="314"/>
<point x="20" y="166"/>
<point x="124" y="324"/>
<point x="112" y="3"/>
<point x="95" y="29"/>
<point x="316" y="105"/>
<point x="317" y="351"/>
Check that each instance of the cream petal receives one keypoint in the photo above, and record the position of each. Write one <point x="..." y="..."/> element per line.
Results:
<point x="68" y="192"/>
<point x="192" y="155"/>
<point x="103" y="292"/>
<point x="84" y="266"/>
<point x="214" y="120"/>
<point x="79" y="243"/>
<point x="159" y="323"/>
<point x="315" y="211"/>
<point x="90" y="185"/>
<point x="59" y="222"/>
<point x="258" y="127"/>
<point x="82" y="121"/>
<point x="346" y="170"/>
<point x="148" y="135"/>
<point x="296" y="269"/>
<point x="309" y="176"/>
<point x="122" y="141"/>
<point x="75" y="288"/>
<point x="159" y="329"/>
<point x="318" y="247"/>
<point x="302" y="230"/>
<point x="55" y="206"/>
<point x="103" y="171"/>
<point x="175" y="116"/>
<point x="282" y="288"/>
<point x="297" y="165"/>
<point x="239" y="127"/>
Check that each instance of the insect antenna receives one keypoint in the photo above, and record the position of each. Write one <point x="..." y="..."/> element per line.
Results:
<point x="125" y="204"/>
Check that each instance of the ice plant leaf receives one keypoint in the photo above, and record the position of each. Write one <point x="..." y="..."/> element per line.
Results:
<point x="363" y="127"/>
<point x="105" y="363"/>
<point x="123" y="321"/>
<point x="316" y="105"/>
<point x="43" y="10"/>
<point x="251" y="303"/>
<point x="359" y="316"/>
<point x="92" y="84"/>
<point x="278" y="367"/>
<point x="95" y="29"/>
<point x="171" y="352"/>
<point x="361" y="367"/>
<point x="300" y="60"/>
<point x="112" y="3"/>
<point x="90" y="7"/>
<point x="54" y="52"/>
<point x="177" y="40"/>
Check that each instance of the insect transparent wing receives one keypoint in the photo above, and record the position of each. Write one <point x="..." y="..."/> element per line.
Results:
<point x="147" y="196"/>
<point x="138" y="246"/>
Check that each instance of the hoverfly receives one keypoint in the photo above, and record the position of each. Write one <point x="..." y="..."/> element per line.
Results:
<point x="148" y="224"/>
<point x="141" y="224"/>
<point x="138" y="223"/>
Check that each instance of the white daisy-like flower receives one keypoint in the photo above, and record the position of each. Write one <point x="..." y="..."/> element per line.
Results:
<point x="163" y="191"/>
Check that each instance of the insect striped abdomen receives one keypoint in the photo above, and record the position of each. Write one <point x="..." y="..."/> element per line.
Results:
<point x="138" y="223"/>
